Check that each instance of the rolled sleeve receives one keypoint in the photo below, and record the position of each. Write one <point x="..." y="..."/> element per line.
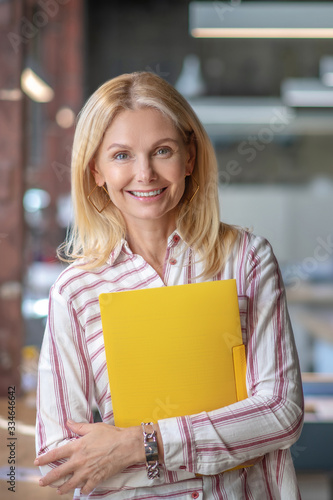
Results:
<point x="178" y="442"/>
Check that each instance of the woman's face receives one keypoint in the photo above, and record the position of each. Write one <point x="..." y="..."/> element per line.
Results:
<point x="143" y="161"/>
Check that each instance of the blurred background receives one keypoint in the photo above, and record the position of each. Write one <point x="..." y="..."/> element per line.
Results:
<point x="260" y="77"/>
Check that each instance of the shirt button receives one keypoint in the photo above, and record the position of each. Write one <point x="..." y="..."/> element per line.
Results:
<point x="173" y="261"/>
<point x="183" y="467"/>
<point x="176" y="238"/>
<point x="195" y="494"/>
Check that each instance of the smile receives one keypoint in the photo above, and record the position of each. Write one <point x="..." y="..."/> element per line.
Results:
<point x="147" y="194"/>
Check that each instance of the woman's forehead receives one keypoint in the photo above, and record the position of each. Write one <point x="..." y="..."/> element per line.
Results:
<point x="146" y="124"/>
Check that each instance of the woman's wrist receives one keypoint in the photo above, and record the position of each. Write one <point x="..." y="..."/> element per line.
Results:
<point x="138" y="451"/>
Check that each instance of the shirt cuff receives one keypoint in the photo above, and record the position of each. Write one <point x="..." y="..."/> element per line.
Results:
<point x="178" y="443"/>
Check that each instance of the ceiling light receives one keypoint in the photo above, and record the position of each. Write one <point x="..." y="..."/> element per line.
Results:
<point x="261" y="20"/>
<point x="36" y="88"/>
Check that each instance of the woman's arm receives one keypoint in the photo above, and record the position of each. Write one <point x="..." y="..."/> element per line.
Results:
<point x="81" y="453"/>
<point x="271" y="418"/>
<point x="65" y="391"/>
<point x="65" y="382"/>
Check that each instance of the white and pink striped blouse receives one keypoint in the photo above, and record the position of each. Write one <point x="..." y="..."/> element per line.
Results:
<point x="197" y="448"/>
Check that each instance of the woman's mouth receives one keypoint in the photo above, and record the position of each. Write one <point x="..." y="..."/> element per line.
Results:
<point x="147" y="194"/>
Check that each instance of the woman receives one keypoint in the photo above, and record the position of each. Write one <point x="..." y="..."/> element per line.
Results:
<point x="146" y="215"/>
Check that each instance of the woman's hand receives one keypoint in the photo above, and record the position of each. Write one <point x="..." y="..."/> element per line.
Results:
<point x="102" y="451"/>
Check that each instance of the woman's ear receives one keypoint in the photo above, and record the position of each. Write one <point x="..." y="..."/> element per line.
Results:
<point x="191" y="157"/>
<point x="99" y="179"/>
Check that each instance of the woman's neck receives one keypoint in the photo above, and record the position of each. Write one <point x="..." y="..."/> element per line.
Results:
<point x="150" y="241"/>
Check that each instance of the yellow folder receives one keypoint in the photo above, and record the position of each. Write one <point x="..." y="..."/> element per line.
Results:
<point x="173" y="351"/>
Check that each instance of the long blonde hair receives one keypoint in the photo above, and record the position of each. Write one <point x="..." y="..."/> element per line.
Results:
<point x="93" y="235"/>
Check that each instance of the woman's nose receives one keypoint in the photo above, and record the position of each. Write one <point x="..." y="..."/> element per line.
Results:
<point x="146" y="172"/>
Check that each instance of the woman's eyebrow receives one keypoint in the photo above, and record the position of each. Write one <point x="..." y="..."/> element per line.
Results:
<point x="165" y="139"/>
<point x="116" y="145"/>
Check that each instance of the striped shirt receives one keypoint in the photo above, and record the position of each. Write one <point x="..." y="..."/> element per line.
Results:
<point x="197" y="448"/>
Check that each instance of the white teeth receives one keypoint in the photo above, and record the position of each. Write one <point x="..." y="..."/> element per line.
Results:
<point x="140" y="194"/>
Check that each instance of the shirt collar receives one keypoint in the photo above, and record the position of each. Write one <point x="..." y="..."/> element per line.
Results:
<point x="123" y="248"/>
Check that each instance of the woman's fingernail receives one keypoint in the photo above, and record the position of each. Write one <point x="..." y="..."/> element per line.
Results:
<point x="41" y="483"/>
<point x="70" y="421"/>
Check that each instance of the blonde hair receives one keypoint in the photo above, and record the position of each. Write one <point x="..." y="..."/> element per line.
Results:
<point x="94" y="235"/>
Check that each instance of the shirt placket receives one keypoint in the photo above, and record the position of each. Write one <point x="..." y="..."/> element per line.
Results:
<point x="172" y="274"/>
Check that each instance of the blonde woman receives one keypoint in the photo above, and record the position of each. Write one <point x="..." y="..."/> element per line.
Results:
<point x="144" y="188"/>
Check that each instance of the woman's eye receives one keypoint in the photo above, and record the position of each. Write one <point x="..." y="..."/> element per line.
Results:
<point x="163" y="151"/>
<point x="121" y="156"/>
